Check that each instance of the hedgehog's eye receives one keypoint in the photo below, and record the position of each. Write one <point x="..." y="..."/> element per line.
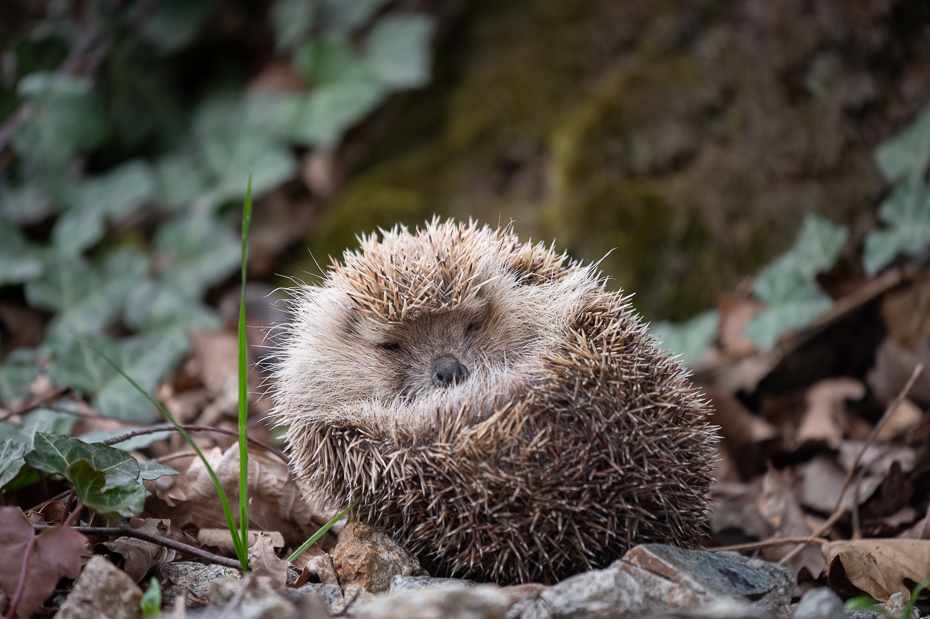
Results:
<point x="392" y="346"/>
<point x="472" y="328"/>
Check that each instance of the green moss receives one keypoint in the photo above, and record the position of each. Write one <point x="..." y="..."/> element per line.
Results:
<point x="677" y="134"/>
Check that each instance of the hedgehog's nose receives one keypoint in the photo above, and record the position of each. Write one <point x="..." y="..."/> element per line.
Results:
<point x="448" y="371"/>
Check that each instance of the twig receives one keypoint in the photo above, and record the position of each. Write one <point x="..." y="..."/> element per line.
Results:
<point x="21" y="585"/>
<point x="127" y="531"/>
<point x="854" y="508"/>
<point x="192" y="428"/>
<point x="770" y="543"/>
<point x="838" y="508"/>
<point x="240" y="594"/>
<point x="38" y="402"/>
<point x="73" y="515"/>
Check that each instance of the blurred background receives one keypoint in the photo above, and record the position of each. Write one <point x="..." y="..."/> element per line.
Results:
<point x="685" y="141"/>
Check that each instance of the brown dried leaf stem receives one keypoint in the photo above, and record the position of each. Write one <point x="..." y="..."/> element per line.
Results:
<point x="838" y="509"/>
<point x="124" y="530"/>
<point x="771" y="543"/>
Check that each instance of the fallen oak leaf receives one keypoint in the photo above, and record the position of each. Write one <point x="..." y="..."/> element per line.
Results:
<point x="262" y="558"/>
<point x="56" y="552"/>
<point x="139" y="555"/>
<point x="879" y="566"/>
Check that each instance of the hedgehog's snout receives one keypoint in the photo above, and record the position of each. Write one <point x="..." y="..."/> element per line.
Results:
<point x="447" y="370"/>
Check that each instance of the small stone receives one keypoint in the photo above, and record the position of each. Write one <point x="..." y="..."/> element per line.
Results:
<point x="596" y="594"/>
<point x="443" y="602"/>
<point x="102" y="590"/>
<point x="330" y="594"/>
<point x="195" y="577"/>
<point x="819" y="604"/>
<point x="409" y="583"/>
<point x="366" y="556"/>
<point x="896" y="605"/>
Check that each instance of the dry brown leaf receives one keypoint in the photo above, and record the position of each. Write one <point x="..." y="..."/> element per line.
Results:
<point x="277" y="503"/>
<point x="55" y="553"/>
<point x="781" y="508"/>
<point x="263" y="561"/>
<point x="140" y="556"/>
<point x="877" y="458"/>
<point x="906" y="312"/>
<point x="824" y="419"/>
<point x="735" y="313"/>
<point x="315" y="566"/>
<point x="741" y="430"/>
<point x="879" y="566"/>
<point x="893" y="366"/>
<point x="908" y="415"/>
<point x="823" y="480"/>
<point x="221" y="539"/>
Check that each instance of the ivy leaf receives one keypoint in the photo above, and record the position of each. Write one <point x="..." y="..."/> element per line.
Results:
<point x="689" y="339"/>
<point x="180" y="180"/>
<point x="234" y="137"/>
<point x="331" y="109"/>
<point x="159" y="307"/>
<point x="398" y="50"/>
<point x="906" y="215"/>
<point x="86" y="297"/>
<point x="908" y="152"/>
<point x="352" y="14"/>
<point x="101" y="199"/>
<point x="154" y="470"/>
<point x="26" y="204"/>
<point x="151" y="600"/>
<point x="67" y="118"/>
<point x="11" y="460"/>
<point x="20" y="261"/>
<point x="195" y="251"/>
<point x="16" y="374"/>
<point x="175" y="23"/>
<point x="292" y="21"/>
<point x="146" y="358"/>
<point x="330" y="58"/>
<point x="57" y="453"/>
<point x="766" y="327"/>
<point x="818" y="244"/>
<point x="90" y="485"/>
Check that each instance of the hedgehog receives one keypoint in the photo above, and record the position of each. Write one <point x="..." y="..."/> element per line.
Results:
<point x="491" y="404"/>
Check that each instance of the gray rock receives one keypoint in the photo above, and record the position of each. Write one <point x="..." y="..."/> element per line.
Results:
<point x="331" y="594"/>
<point x="596" y="594"/>
<point x="820" y="604"/>
<point x="444" y="602"/>
<point x="102" y="590"/>
<point x="195" y="577"/>
<point x="409" y="583"/>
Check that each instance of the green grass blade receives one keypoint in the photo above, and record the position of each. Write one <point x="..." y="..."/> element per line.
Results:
<point x="241" y="550"/>
<point x="326" y="527"/>
<point x="244" y="376"/>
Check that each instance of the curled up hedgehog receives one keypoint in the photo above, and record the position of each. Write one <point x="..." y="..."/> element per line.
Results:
<point x="491" y="405"/>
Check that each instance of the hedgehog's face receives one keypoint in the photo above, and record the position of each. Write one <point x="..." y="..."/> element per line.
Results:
<point x="415" y="324"/>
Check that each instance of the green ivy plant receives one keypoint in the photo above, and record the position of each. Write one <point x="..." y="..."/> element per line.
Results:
<point x="787" y="286"/>
<point x="104" y="134"/>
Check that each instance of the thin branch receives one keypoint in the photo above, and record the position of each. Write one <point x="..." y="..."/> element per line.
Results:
<point x="193" y="428"/>
<point x="838" y="510"/>
<point x="127" y="531"/>
<point x="771" y="543"/>
<point x="37" y="403"/>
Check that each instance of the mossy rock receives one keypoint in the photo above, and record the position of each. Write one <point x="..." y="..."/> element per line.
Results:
<point x="688" y="137"/>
